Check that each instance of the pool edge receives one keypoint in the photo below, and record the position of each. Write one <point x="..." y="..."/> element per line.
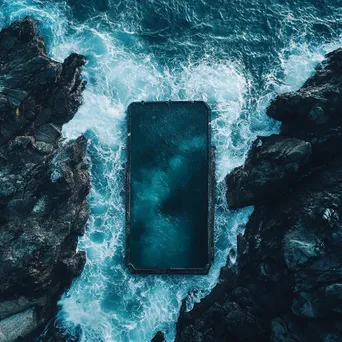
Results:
<point x="211" y="200"/>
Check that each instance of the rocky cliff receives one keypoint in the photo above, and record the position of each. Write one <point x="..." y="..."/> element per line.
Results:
<point x="43" y="180"/>
<point x="287" y="283"/>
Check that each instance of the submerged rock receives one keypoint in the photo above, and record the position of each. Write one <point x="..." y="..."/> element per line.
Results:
<point x="286" y="285"/>
<point x="43" y="180"/>
<point x="159" y="337"/>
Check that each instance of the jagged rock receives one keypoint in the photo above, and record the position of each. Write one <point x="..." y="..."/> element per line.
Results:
<point x="17" y="325"/>
<point x="286" y="285"/>
<point x="43" y="181"/>
<point x="317" y="102"/>
<point x="273" y="164"/>
<point x="159" y="337"/>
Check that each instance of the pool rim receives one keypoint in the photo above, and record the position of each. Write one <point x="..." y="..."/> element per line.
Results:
<point x="211" y="198"/>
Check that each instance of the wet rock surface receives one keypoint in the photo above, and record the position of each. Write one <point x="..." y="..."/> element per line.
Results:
<point x="287" y="282"/>
<point x="44" y="181"/>
<point x="159" y="337"/>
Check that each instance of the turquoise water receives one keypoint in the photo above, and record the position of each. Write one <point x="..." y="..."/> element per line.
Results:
<point x="236" y="56"/>
<point x="169" y="172"/>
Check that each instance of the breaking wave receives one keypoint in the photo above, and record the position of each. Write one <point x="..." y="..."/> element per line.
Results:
<point x="127" y="62"/>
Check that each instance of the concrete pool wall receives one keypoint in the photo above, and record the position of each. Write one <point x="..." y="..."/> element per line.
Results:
<point x="170" y="184"/>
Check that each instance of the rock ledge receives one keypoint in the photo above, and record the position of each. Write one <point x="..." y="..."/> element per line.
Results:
<point x="287" y="283"/>
<point x="43" y="180"/>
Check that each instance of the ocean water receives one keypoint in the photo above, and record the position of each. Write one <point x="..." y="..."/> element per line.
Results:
<point x="236" y="56"/>
<point x="169" y="171"/>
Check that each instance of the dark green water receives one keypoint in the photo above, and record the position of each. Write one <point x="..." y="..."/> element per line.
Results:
<point x="169" y="171"/>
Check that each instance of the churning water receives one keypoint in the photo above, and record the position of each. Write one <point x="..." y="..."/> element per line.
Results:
<point x="235" y="55"/>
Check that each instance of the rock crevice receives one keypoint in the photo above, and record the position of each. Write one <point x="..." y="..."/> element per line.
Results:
<point x="286" y="284"/>
<point x="44" y="180"/>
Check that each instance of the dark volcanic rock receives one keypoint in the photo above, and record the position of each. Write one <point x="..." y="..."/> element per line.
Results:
<point x="272" y="165"/>
<point x="159" y="337"/>
<point x="287" y="283"/>
<point x="318" y="102"/>
<point x="43" y="181"/>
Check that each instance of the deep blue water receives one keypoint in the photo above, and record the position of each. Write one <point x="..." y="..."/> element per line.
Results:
<point x="169" y="173"/>
<point x="234" y="55"/>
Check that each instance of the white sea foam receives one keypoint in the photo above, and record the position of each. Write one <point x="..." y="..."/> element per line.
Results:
<point x="144" y="304"/>
<point x="106" y="301"/>
<point x="298" y="62"/>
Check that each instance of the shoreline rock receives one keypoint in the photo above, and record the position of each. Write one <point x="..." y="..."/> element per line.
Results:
<point x="287" y="282"/>
<point x="44" y="181"/>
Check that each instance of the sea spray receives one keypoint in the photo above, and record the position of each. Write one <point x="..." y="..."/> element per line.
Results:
<point x="124" y="65"/>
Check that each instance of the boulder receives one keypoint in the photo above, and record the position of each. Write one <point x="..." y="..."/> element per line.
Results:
<point x="286" y="284"/>
<point x="273" y="164"/>
<point x="43" y="180"/>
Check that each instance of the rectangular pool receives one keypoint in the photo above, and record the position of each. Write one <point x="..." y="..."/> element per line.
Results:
<point x="170" y="188"/>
